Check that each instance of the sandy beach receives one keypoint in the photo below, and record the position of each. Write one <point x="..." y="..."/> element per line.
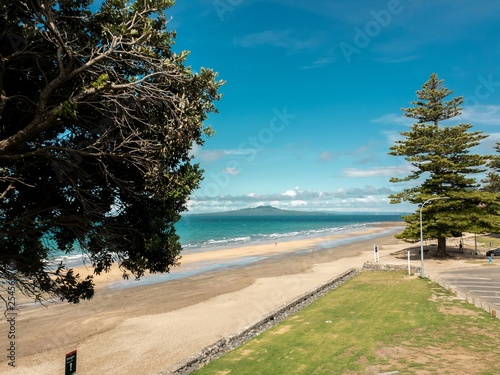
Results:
<point x="152" y="326"/>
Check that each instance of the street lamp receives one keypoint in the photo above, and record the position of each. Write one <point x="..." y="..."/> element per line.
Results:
<point x="422" y="267"/>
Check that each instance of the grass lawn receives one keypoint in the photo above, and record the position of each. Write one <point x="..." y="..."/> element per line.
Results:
<point x="377" y="322"/>
<point x="489" y="241"/>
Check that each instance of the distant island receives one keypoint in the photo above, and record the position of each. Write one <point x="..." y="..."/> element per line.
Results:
<point x="262" y="211"/>
<point x="273" y="211"/>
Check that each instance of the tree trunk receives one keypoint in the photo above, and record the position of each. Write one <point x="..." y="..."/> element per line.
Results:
<point x="441" y="248"/>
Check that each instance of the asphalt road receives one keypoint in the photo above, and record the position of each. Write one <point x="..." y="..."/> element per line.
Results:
<point x="483" y="282"/>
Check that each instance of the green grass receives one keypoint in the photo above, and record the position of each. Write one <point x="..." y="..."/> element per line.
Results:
<point x="377" y="322"/>
<point x="486" y="240"/>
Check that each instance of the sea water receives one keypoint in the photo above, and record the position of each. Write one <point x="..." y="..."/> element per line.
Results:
<point x="199" y="232"/>
<point x="214" y="231"/>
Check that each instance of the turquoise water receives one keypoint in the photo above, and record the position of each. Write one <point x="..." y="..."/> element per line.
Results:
<point x="211" y="232"/>
<point x="208" y="232"/>
<point x="198" y="232"/>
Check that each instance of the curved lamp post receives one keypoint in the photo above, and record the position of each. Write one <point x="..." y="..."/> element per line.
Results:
<point x="422" y="267"/>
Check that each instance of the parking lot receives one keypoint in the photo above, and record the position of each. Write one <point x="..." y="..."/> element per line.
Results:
<point x="481" y="283"/>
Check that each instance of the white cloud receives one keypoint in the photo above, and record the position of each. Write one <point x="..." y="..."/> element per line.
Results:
<point x="494" y="137"/>
<point x="378" y="172"/>
<point x="239" y="151"/>
<point x="326" y="156"/>
<point x="368" y="198"/>
<point x="319" y="63"/>
<point x="277" y="38"/>
<point x="290" y="193"/>
<point x="298" y="203"/>
<point x="398" y="59"/>
<point x="392" y="137"/>
<point x="231" y="171"/>
<point x="394" y="119"/>
<point x="297" y="194"/>
<point x="481" y="114"/>
<point x="276" y="203"/>
<point x="208" y="155"/>
<point x="368" y="204"/>
<point x="475" y="114"/>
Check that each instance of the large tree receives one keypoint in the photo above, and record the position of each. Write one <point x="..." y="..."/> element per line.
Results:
<point x="444" y="167"/>
<point x="97" y="119"/>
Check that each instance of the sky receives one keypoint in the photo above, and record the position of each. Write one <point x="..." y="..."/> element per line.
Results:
<point x="314" y="91"/>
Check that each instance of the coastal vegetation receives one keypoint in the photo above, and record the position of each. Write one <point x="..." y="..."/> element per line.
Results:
<point x="444" y="170"/>
<point x="98" y="117"/>
<point x="378" y="322"/>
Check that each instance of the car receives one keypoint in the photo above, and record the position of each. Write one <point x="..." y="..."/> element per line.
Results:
<point x="495" y="252"/>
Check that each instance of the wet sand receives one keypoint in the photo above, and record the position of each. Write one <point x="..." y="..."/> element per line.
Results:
<point x="153" y="325"/>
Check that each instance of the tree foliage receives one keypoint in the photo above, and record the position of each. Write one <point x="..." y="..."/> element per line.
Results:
<point x="443" y="166"/>
<point x="492" y="180"/>
<point x="97" y="119"/>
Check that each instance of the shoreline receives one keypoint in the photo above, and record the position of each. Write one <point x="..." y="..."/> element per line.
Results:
<point x="150" y="328"/>
<point x="222" y="259"/>
<point x="229" y="243"/>
<point x="79" y="261"/>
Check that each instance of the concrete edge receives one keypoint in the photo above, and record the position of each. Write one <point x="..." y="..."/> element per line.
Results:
<point x="224" y="345"/>
<point x="458" y="292"/>
<point x="468" y="297"/>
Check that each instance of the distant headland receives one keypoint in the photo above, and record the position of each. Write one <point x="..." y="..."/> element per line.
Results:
<point x="261" y="211"/>
<point x="266" y="210"/>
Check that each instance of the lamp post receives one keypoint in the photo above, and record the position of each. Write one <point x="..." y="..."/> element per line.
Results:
<point x="422" y="267"/>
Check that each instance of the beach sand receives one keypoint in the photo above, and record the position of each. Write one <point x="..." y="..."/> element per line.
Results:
<point x="153" y="327"/>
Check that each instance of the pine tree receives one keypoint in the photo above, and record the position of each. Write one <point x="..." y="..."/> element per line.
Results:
<point x="443" y="167"/>
<point x="492" y="180"/>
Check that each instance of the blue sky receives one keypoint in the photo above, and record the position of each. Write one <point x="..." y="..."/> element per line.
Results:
<point x="315" y="89"/>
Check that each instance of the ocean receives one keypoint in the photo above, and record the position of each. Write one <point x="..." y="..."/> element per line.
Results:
<point x="206" y="232"/>
<point x="198" y="232"/>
